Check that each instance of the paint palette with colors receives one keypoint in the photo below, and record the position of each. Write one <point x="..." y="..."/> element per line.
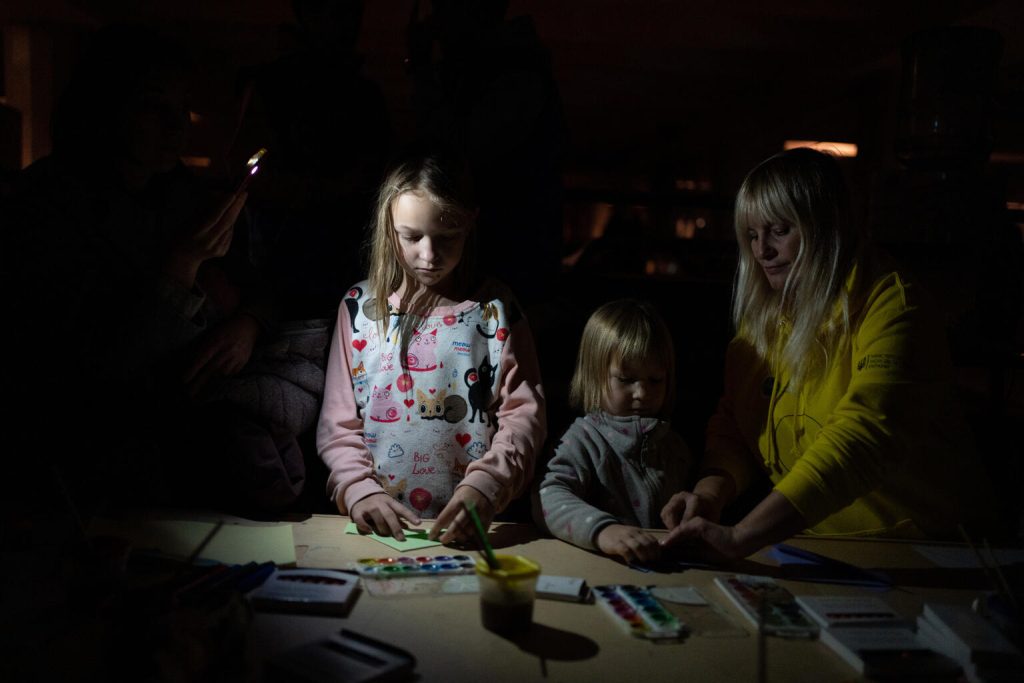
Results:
<point x="409" y="567"/>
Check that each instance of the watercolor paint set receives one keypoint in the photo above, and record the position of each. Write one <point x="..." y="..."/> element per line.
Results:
<point x="413" y="567"/>
<point x="840" y="611"/>
<point x="637" y="611"/>
<point x="767" y="605"/>
<point x="307" y="591"/>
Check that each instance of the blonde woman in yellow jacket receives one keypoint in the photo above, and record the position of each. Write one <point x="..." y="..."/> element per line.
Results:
<point x="837" y="384"/>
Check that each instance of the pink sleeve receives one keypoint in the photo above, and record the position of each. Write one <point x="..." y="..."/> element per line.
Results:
<point x="339" y="433"/>
<point x="506" y="469"/>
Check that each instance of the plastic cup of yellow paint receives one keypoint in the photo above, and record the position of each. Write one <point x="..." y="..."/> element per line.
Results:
<point x="507" y="593"/>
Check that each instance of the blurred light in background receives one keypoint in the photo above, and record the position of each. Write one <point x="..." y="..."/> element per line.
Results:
<point x="840" y="149"/>
<point x="196" y="162"/>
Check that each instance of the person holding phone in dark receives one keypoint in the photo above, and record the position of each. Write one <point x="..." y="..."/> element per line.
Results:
<point x="129" y="294"/>
<point x="228" y="347"/>
<point x="327" y="128"/>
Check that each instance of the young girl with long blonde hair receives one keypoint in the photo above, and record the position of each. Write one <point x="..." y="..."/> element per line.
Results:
<point x="433" y="395"/>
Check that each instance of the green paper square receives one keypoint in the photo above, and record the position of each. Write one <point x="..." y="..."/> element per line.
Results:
<point x="414" y="538"/>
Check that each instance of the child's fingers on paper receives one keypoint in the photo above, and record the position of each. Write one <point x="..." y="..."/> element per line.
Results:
<point x="361" y="526"/>
<point x="439" y="524"/>
<point x="381" y="514"/>
<point x="370" y="518"/>
<point x="381" y="523"/>
<point x="447" y="519"/>
<point x="391" y="522"/>
<point x="633" y="547"/>
<point x="459" y="530"/>
<point x="386" y="523"/>
<point x="406" y="514"/>
<point x="648" y="549"/>
<point x="396" y="516"/>
<point x="624" y="551"/>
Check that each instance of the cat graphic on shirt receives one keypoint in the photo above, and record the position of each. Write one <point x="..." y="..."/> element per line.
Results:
<point x="422" y="354"/>
<point x="383" y="408"/>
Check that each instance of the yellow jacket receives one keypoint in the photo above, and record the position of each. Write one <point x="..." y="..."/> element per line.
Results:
<point x="876" y="446"/>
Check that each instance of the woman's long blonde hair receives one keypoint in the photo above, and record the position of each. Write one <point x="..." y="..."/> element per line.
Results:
<point x="445" y="183"/>
<point x="801" y="326"/>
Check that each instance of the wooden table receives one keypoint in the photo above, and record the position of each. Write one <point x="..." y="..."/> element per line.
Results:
<point x="578" y="642"/>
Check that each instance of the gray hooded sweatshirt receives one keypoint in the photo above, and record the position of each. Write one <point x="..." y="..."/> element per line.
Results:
<point x="611" y="470"/>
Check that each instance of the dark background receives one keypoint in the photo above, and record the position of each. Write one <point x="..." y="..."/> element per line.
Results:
<point x="667" y="104"/>
<point x="692" y="90"/>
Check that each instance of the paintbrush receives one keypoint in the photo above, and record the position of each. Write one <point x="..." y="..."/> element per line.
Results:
<point x="1006" y="591"/>
<point x="998" y="582"/>
<point x="478" y="527"/>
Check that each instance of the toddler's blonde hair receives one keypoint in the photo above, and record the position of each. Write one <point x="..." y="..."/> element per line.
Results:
<point x="621" y="331"/>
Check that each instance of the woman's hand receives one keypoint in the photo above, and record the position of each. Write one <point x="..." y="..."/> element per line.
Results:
<point x="223" y="352"/>
<point x="455" y="522"/>
<point x="210" y="239"/>
<point x="774" y="519"/>
<point x="630" y="543"/>
<point x="707" y="500"/>
<point x="685" y="505"/>
<point x="722" y="543"/>
<point x="381" y="514"/>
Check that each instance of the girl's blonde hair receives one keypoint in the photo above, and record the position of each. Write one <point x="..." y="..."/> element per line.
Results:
<point x="622" y="331"/>
<point x="445" y="183"/>
<point x="806" y="190"/>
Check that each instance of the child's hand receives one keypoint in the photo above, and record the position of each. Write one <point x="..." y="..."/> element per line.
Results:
<point x="454" y="517"/>
<point x="628" y="542"/>
<point x="381" y="514"/>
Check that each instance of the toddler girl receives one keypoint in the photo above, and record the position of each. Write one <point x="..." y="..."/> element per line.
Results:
<point x="433" y="394"/>
<point x="615" y="468"/>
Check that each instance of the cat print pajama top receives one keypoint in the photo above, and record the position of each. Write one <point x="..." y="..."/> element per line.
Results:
<point x="468" y="410"/>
